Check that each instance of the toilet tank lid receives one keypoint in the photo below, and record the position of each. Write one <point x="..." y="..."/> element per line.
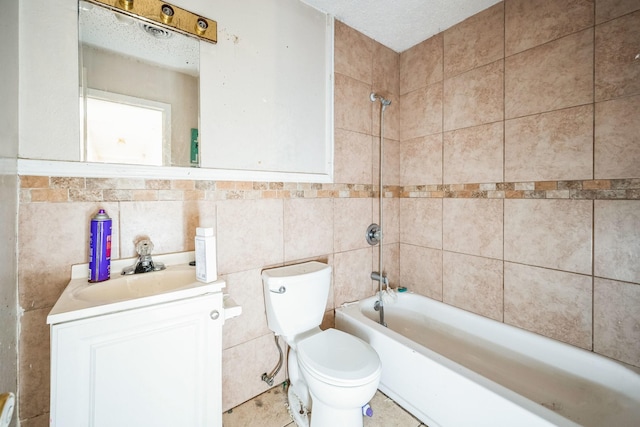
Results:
<point x="292" y="271"/>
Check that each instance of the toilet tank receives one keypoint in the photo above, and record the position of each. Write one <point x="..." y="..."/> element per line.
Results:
<point x="296" y="296"/>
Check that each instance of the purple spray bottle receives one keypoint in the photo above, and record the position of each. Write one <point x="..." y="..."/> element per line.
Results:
<point x="100" y="247"/>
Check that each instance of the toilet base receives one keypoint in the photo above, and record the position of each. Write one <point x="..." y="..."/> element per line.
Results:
<point x="327" y="416"/>
<point x="297" y="410"/>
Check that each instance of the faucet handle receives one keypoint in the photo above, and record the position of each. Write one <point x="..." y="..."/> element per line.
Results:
<point x="144" y="247"/>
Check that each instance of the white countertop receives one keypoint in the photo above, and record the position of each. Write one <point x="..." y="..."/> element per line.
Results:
<point x="70" y="306"/>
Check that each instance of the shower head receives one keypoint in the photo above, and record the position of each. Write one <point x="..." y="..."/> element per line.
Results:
<point x="375" y="97"/>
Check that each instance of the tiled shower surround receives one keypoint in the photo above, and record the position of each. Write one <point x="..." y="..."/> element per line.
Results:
<point x="512" y="190"/>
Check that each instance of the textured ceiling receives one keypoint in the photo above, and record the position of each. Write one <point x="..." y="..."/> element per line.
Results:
<point x="400" y="24"/>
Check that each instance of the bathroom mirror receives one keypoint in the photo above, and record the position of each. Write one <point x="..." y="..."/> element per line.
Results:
<point x="139" y="95"/>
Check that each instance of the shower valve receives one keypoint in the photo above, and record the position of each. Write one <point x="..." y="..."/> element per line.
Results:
<point x="374" y="234"/>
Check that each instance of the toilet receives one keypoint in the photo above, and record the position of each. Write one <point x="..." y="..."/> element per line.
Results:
<point x="332" y="374"/>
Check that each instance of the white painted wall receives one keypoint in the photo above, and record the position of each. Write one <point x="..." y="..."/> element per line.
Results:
<point x="8" y="198"/>
<point x="49" y="124"/>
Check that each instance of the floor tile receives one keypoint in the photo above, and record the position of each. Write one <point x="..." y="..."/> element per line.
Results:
<point x="270" y="410"/>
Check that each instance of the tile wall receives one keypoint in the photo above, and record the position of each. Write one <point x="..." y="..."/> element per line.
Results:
<point x="520" y="169"/>
<point x="512" y="189"/>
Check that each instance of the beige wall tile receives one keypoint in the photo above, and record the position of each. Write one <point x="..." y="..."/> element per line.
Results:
<point x="34" y="365"/>
<point x="610" y="9"/>
<point x="421" y="222"/>
<point x="473" y="226"/>
<point x="421" y="160"/>
<point x="44" y="270"/>
<point x="352" y="276"/>
<point x="30" y="181"/>
<point x="386" y="70"/>
<point x="617" y="151"/>
<point x="241" y="374"/>
<point x="421" y="65"/>
<point x="473" y="284"/>
<point x="391" y="265"/>
<point x="391" y="117"/>
<point x="249" y="234"/>
<point x="617" y="71"/>
<point x="391" y="218"/>
<point x="308" y="228"/>
<point x="39" y="421"/>
<point x="474" y="154"/>
<point x="421" y="112"/>
<point x="352" y="105"/>
<point x="549" y="233"/>
<point x="165" y="223"/>
<point x="552" y="303"/>
<point x="352" y="217"/>
<point x="353" y="53"/>
<point x="421" y="270"/>
<point x="549" y="77"/>
<point x="474" y="42"/>
<point x="352" y="157"/>
<point x="247" y="291"/>
<point x="616" y="320"/>
<point x="475" y="97"/>
<point x="532" y="23"/>
<point x="617" y="239"/>
<point x="550" y="146"/>
<point x="390" y="164"/>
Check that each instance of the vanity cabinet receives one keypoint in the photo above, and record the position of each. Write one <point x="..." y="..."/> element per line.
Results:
<point x="157" y="365"/>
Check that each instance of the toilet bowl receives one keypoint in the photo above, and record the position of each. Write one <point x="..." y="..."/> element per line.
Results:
<point x="342" y="373"/>
<point x="332" y="374"/>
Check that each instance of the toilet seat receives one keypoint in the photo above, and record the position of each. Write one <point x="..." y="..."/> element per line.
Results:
<point x="337" y="358"/>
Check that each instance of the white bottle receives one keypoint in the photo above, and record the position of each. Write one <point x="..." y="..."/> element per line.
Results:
<point x="206" y="269"/>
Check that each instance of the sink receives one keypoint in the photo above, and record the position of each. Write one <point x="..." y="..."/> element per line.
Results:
<point x="82" y="299"/>
<point x="134" y="286"/>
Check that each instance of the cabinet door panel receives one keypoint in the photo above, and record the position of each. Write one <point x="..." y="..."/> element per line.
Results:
<point x="155" y="366"/>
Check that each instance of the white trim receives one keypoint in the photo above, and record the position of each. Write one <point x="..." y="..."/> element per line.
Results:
<point x="110" y="170"/>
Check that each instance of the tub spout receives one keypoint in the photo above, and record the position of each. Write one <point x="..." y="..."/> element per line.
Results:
<point x="380" y="278"/>
<point x="379" y="306"/>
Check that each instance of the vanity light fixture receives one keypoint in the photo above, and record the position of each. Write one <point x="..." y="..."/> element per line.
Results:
<point x="127" y="4"/>
<point x="166" y="15"/>
<point x="201" y="26"/>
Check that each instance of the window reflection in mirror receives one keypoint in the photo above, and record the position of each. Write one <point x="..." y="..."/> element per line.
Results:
<point x="132" y="67"/>
<point x="124" y="129"/>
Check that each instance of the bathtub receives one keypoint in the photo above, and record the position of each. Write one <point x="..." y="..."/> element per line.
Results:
<point x="452" y="368"/>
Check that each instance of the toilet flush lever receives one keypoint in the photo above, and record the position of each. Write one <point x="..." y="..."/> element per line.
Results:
<point x="281" y="290"/>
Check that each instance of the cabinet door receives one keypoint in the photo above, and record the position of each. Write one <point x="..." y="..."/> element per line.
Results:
<point x="153" y="366"/>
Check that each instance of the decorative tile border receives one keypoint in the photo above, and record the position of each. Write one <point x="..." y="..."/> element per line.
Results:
<point x="605" y="189"/>
<point x="34" y="189"/>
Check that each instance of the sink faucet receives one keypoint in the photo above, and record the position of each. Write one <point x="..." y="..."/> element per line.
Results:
<point x="144" y="264"/>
